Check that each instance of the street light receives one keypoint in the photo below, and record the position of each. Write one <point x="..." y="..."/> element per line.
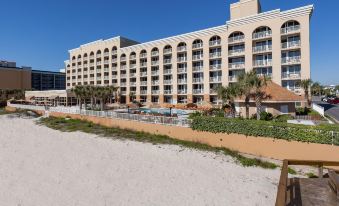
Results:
<point x="170" y="111"/>
<point x="128" y="109"/>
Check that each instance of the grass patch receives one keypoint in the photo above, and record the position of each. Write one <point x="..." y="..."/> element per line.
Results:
<point x="291" y="171"/>
<point x="71" y="125"/>
<point x="311" y="175"/>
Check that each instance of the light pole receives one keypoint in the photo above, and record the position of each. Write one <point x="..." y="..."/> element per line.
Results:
<point x="170" y="111"/>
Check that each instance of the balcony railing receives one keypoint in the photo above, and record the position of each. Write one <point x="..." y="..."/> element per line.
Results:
<point x="263" y="34"/>
<point x="263" y="48"/>
<point x="215" y="54"/>
<point x="133" y="84"/>
<point x="155" y="73"/>
<point x="155" y="63"/>
<point x="291" y="60"/>
<point x="154" y="53"/>
<point x="182" y="91"/>
<point x="215" y="79"/>
<point x="98" y="63"/>
<point x="98" y="56"/>
<point x="261" y="63"/>
<point x="236" y="52"/>
<point x="264" y="74"/>
<point x="123" y="84"/>
<point x="182" y="81"/>
<point x="296" y="90"/>
<point x="168" y="71"/>
<point x="98" y="70"/>
<point x="197" y="57"/>
<point x="198" y="69"/>
<point x="106" y="69"/>
<point x="155" y="92"/>
<point x="123" y="92"/>
<point x="98" y="78"/>
<point x="167" y="61"/>
<point x="143" y="74"/>
<point x="133" y="74"/>
<point x="106" y="77"/>
<point x="123" y="75"/>
<point x="182" y="70"/>
<point x="181" y="48"/>
<point x="114" y="60"/>
<point x="236" y="39"/>
<point x="168" y="91"/>
<point x="155" y="82"/>
<point x="197" y="46"/>
<point x="91" y="56"/>
<point x="132" y="57"/>
<point x="143" y="64"/>
<point x="198" y="80"/>
<point x="215" y="43"/>
<point x="106" y="61"/>
<point x="215" y="67"/>
<point x="91" y="72"/>
<point x="132" y="66"/>
<point x="182" y="59"/>
<point x="114" y="76"/>
<point x="232" y="78"/>
<point x="290" y="75"/>
<point x="167" y="51"/>
<point x="236" y="65"/>
<point x="114" y="52"/>
<point x="85" y="65"/>
<point x="91" y="78"/>
<point x="168" y="81"/>
<point x="143" y="91"/>
<point x="123" y="67"/>
<point x="290" y="29"/>
<point x="123" y="59"/>
<point x="106" y="54"/>
<point x="198" y="91"/>
<point x="291" y="44"/>
<point x="143" y="83"/>
<point x="114" y="68"/>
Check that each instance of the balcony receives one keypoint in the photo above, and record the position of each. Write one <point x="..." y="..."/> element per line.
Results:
<point x="106" y="69"/>
<point x="264" y="75"/>
<point x="198" y="69"/>
<point x="143" y="64"/>
<point x="198" y="80"/>
<point x="291" y="45"/>
<point x="123" y="59"/>
<point x="132" y="66"/>
<point x="123" y="92"/>
<point x="182" y="91"/>
<point x="106" y="77"/>
<point x="123" y="84"/>
<point x="123" y="67"/>
<point x="167" y="51"/>
<point x="123" y="75"/>
<point x="236" y="39"/>
<point x="143" y="83"/>
<point x="182" y="70"/>
<point x="215" y="67"/>
<point x="106" y="54"/>
<point x="182" y="81"/>
<point x="155" y="82"/>
<point x="114" y="76"/>
<point x="236" y="65"/>
<point x="198" y="91"/>
<point x="261" y="49"/>
<point x="168" y="81"/>
<point x="262" y="63"/>
<point x="106" y="62"/>
<point x="91" y="72"/>
<point x="197" y="46"/>
<point x="197" y="57"/>
<point x="168" y="71"/>
<point x="133" y="84"/>
<point x="291" y="60"/>
<point x="213" y="91"/>
<point x="155" y="63"/>
<point x="182" y="59"/>
<point x="155" y="92"/>
<point x="236" y="52"/>
<point x="114" y="68"/>
<point x="85" y="65"/>
<point x="98" y="56"/>
<point x="143" y="74"/>
<point x="215" y="43"/>
<point x="143" y="55"/>
<point x="114" y="52"/>
<point x="133" y="74"/>
<point x="79" y="60"/>
<point x="182" y="49"/>
<point x="155" y="73"/>
<point x="143" y="92"/>
<point x="215" y="55"/>
<point x="154" y="53"/>
<point x="91" y="78"/>
<point x="98" y="78"/>
<point x="91" y="57"/>
<point x="98" y="63"/>
<point x="167" y="61"/>
<point x="114" y="60"/>
<point x="296" y="90"/>
<point x="290" y="76"/>
<point x="232" y="78"/>
<point x="132" y="57"/>
<point x="262" y="35"/>
<point x="85" y="79"/>
<point x="290" y="29"/>
<point x="98" y="70"/>
<point x="215" y="79"/>
<point x="168" y="91"/>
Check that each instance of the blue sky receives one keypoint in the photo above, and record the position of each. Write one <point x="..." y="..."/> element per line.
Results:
<point x="39" y="33"/>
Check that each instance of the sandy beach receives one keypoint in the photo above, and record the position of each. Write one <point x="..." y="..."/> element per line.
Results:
<point x="40" y="166"/>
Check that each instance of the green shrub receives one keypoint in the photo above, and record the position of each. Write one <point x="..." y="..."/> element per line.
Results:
<point x="283" y="118"/>
<point x="266" y="116"/>
<point x="279" y="130"/>
<point x="194" y="114"/>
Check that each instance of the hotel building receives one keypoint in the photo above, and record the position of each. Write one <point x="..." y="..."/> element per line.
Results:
<point x="188" y="67"/>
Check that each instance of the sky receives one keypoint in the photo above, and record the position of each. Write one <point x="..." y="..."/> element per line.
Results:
<point x="39" y="33"/>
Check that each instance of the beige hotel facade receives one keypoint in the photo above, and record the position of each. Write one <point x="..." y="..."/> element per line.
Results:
<point x="188" y="67"/>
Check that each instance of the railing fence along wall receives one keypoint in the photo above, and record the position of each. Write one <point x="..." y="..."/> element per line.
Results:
<point x="173" y="121"/>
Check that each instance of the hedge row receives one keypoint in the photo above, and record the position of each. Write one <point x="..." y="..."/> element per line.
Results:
<point x="278" y="130"/>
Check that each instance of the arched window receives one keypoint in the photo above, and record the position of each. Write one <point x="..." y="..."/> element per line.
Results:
<point x="290" y="26"/>
<point x="106" y="52"/>
<point x="262" y="32"/>
<point x="167" y="49"/>
<point x="215" y="40"/>
<point x="181" y="46"/>
<point x="114" y="50"/>
<point x="132" y="55"/>
<point x="198" y="43"/>
<point x="99" y="54"/>
<point x="155" y="51"/>
<point x="143" y="54"/>
<point x="236" y="37"/>
<point x="123" y="57"/>
<point x="85" y="55"/>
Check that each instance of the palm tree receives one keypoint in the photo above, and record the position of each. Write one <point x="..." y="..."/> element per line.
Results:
<point x="258" y="84"/>
<point x="228" y="94"/>
<point x="245" y="84"/>
<point x="78" y="91"/>
<point x="132" y="96"/>
<point x="305" y="84"/>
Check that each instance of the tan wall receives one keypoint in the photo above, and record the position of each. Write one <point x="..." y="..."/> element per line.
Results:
<point x="258" y="146"/>
<point x="244" y="8"/>
<point x="273" y="108"/>
<point x="15" y="79"/>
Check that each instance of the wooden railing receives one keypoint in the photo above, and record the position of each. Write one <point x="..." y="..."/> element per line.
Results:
<point x="283" y="182"/>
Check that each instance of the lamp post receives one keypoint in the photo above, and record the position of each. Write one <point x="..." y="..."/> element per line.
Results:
<point x="170" y="111"/>
<point x="128" y="109"/>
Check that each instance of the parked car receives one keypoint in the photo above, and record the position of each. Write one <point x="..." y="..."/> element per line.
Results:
<point x="333" y="101"/>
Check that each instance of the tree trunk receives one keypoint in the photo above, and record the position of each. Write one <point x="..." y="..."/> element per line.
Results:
<point x="247" y="105"/>
<point x="80" y="103"/>
<point x="102" y="104"/>
<point x="258" y="105"/>
<point x="92" y="105"/>
<point x="232" y="109"/>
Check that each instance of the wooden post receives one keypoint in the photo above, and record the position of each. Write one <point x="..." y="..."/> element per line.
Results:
<point x="320" y="171"/>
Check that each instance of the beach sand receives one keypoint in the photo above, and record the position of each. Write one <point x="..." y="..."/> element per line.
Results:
<point x="42" y="166"/>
